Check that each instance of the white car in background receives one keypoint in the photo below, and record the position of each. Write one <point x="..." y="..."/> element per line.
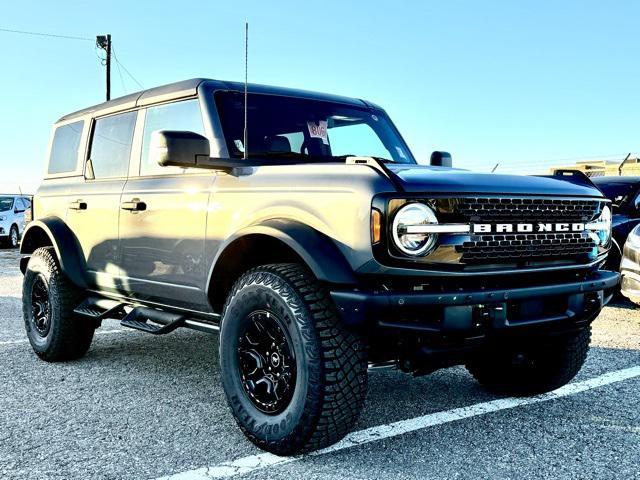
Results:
<point x="13" y="210"/>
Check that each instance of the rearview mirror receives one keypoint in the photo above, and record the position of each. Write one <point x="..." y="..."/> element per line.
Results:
<point x="179" y="148"/>
<point x="441" y="159"/>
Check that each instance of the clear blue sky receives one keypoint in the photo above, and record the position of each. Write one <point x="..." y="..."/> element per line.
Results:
<point x="495" y="81"/>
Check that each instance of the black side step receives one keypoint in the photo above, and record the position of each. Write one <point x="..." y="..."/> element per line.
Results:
<point x="100" y="308"/>
<point x="156" y="322"/>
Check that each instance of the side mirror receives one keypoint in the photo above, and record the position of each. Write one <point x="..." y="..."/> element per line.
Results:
<point x="178" y="148"/>
<point x="441" y="159"/>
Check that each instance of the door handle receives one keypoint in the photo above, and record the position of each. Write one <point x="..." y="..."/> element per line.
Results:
<point x="134" y="205"/>
<point x="78" y="205"/>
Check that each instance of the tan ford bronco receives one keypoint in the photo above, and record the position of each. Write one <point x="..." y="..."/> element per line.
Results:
<point x="302" y="228"/>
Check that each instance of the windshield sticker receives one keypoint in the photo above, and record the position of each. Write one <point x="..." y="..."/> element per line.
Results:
<point x="239" y="145"/>
<point x="318" y="130"/>
<point x="401" y="152"/>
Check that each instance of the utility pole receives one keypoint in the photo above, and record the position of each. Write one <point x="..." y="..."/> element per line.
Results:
<point x="104" y="42"/>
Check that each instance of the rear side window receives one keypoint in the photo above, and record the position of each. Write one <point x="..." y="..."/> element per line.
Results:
<point x="184" y="116"/>
<point x="111" y="146"/>
<point x="64" y="150"/>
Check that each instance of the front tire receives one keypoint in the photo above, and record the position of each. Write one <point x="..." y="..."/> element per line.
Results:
<point x="294" y="376"/>
<point x="48" y="300"/>
<point x="536" y="367"/>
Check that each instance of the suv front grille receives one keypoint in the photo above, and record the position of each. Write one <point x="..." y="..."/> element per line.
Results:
<point x="520" y="247"/>
<point x="534" y="246"/>
<point x="487" y="210"/>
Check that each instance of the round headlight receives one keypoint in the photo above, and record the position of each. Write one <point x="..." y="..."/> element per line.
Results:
<point x="407" y="241"/>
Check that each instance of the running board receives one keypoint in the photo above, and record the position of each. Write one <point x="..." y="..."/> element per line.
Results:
<point x="100" y="308"/>
<point x="150" y="320"/>
<point x="156" y="322"/>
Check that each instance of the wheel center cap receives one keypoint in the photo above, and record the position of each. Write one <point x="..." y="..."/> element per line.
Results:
<point x="275" y="359"/>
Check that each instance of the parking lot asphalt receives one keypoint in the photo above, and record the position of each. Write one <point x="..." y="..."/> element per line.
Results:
<point x="139" y="406"/>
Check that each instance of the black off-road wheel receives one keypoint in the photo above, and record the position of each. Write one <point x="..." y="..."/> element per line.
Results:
<point x="537" y="367"/>
<point x="294" y="376"/>
<point x="48" y="300"/>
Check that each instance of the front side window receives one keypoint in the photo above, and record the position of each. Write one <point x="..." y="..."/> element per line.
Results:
<point x="20" y="205"/>
<point x="317" y="130"/>
<point x="6" y="204"/>
<point x="111" y="146"/>
<point x="183" y="116"/>
<point x="64" y="149"/>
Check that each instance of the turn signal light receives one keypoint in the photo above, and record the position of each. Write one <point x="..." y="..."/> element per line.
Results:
<point x="376" y="226"/>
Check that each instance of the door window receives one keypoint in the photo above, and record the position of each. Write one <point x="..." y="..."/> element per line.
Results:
<point x="183" y="116"/>
<point x="111" y="146"/>
<point x="20" y="206"/>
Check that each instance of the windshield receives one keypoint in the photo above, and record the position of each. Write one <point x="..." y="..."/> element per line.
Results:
<point x="281" y="126"/>
<point x="6" y="204"/>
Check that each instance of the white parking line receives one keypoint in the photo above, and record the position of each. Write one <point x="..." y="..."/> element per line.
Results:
<point x="261" y="461"/>
<point x="24" y="340"/>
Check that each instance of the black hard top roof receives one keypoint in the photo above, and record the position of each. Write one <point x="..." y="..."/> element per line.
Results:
<point x="190" y="87"/>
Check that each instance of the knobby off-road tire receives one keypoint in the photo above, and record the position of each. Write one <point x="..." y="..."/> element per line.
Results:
<point x="538" y="367"/>
<point x="48" y="300"/>
<point x="329" y="362"/>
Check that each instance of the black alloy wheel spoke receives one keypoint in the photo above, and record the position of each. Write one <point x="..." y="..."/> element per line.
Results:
<point x="267" y="362"/>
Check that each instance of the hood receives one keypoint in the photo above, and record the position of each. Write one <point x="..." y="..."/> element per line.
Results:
<point x="422" y="178"/>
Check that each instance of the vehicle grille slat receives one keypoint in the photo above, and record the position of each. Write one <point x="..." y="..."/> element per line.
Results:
<point x="517" y="247"/>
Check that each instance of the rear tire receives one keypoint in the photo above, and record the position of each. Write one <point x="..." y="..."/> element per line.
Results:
<point x="48" y="300"/>
<point x="320" y="393"/>
<point x="537" y="367"/>
<point x="14" y="237"/>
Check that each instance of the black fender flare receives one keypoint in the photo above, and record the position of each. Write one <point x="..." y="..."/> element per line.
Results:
<point x="318" y="251"/>
<point x="64" y="242"/>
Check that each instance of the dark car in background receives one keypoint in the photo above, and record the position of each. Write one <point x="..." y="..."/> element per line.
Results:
<point x="625" y="197"/>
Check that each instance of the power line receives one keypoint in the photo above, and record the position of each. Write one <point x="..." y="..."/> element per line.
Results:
<point x="115" y="56"/>
<point x="40" y="34"/>
<point x="124" y="89"/>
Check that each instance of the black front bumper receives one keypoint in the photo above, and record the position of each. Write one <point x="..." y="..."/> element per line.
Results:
<point x="469" y="310"/>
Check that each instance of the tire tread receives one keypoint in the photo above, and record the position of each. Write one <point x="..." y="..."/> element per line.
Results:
<point x="340" y="394"/>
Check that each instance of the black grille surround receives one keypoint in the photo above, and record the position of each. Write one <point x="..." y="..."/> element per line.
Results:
<point x="522" y="247"/>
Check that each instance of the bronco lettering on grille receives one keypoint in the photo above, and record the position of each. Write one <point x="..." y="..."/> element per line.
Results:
<point x="527" y="227"/>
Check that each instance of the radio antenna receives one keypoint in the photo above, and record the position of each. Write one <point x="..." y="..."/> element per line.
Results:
<point x="246" y="77"/>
